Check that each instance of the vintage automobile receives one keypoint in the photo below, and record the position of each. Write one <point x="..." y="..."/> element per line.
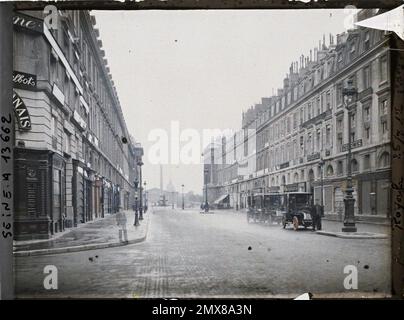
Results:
<point x="266" y="208"/>
<point x="297" y="210"/>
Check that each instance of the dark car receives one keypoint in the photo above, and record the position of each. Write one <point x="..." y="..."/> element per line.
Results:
<point x="298" y="210"/>
<point x="266" y="208"/>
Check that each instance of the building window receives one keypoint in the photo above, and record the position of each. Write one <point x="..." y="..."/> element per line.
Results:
<point x="318" y="106"/>
<point x="367" y="40"/>
<point x="384" y="126"/>
<point x="383" y="68"/>
<point x="383" y="107"/>
<point x="340" y="124"/>
<point x="353" y="120"/>
<point x="366" y="113"/>
<point x="328" y="135"/>
<point x="318" y="140"/>
<point x="339" y="168"/>
<point x="67" y="143"/>
<point x="354" y="165"/>
<point x="54" y="126"/>
<point x="330" y="171"/>
<point x="295" y="120"/>
<point x="367" y="133"/>
<point x="339" y="94"/>
<point x="328" y="100"/>
<point x="366" y="78"/>
<point x="339" y="141"/>
<point x="384" y="160"/>
<point x="366" y="162"/>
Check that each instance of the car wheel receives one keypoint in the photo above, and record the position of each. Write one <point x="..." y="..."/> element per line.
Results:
<point x="295" y="223"/>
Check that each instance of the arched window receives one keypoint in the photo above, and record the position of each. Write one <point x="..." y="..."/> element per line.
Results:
<point x="384" y="160"/>
<point x="283" y="180"/>
<point x="272" y="181"/>
<point x="355" y="165"/>
<point x="330" y="171"/>
<point x="296" y="178"/>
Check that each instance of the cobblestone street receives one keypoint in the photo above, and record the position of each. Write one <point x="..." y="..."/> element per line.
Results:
<point x="188" y="254"/>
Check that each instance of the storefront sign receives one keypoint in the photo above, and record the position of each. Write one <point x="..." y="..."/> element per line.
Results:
<point x="26" y="22"/>
<point x="24" y="80"/>
<point x="21" y="112"/>
<point x="294" y="187"/>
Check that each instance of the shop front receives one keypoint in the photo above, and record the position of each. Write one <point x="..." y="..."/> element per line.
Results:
<point x="39" y="194"/>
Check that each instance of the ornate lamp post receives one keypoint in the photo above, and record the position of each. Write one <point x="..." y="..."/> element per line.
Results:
<point x="136" y="206"/>
<point x="183" y="204"/>
<point x="140" y="164"/>
<point x="349" y="93"/>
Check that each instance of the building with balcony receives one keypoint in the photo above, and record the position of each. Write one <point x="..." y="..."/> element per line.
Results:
<point x="305" y="125"/>
<point x="74" y="157"/>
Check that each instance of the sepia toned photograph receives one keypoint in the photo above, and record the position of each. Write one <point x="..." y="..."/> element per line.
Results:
<point x="201" y="153"/>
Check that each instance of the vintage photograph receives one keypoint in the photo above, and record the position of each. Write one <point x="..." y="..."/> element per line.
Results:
<point x="202" y="153"/>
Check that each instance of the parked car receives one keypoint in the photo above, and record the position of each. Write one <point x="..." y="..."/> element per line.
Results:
<point x="266" y="208"/>
<point x="298" y="208"/>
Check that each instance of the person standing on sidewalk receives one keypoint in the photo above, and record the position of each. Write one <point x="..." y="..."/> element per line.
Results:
<point x="136" y="210"/>
<point x="316" y="214"/>
<point x="121" y="222"/>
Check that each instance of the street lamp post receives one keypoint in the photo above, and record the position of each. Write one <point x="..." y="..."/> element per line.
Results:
<point x="183" y="204"/>
<point x="321" y="163"/>
<point x="206" y="190"/>
<point x="349" y="215"/>
<point x="140" y="164"/>
<point x="145" y="198"/>
<point x="136" y="223"/>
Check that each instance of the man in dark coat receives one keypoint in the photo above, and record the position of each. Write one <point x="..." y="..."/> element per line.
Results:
<point x="316" y="214"/>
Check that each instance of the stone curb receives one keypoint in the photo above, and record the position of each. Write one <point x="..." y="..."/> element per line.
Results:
<point x="353" y="236"/>
<point x="41" y="252"/>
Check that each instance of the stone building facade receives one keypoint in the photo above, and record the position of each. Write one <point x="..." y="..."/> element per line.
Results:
<point x="301" y="132"/>
<point x="74" y="158"/>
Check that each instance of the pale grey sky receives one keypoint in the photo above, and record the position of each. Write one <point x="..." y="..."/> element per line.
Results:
<point x="202" y="68"/>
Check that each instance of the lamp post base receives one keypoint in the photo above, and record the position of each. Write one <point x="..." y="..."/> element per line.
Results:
<point x="349" y="229"/>
<point x="349" y="218"/>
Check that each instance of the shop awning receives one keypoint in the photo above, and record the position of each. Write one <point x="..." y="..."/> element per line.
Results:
<point x="221" y="199"/>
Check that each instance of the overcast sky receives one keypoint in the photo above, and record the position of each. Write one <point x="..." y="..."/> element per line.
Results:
<point x="202" y="68"/>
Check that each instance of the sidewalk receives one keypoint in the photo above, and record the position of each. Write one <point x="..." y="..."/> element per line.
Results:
<point x="98" y="234"/>
<point x="331" y="227"/>
<point x="364" y="230"/>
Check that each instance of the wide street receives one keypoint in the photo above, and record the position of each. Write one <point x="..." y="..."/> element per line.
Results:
<point x="188" y="254"/>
